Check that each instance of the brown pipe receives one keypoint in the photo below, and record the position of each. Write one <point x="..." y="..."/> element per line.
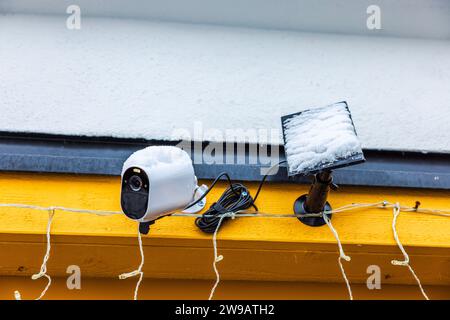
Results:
<point x="318" y="193"/>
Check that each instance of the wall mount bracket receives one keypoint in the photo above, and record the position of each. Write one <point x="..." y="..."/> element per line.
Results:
<point x="316" y="200"/>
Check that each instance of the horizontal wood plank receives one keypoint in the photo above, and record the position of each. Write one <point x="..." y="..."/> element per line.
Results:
<point x="279" y="249"/>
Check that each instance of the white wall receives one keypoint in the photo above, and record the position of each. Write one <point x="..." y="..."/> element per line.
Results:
<point x="409" y="18"/>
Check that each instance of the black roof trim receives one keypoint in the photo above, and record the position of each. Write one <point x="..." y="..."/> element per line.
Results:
<point x="105" y="155"/>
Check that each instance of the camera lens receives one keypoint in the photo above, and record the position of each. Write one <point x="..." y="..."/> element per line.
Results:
<point x="135" y="183"/>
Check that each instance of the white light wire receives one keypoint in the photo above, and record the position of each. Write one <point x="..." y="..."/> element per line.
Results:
<point x="43" y="271"/>
<point x="218" y="258"/>
<point x="405" y="262"/>
<point x="138" y="271"/>
<point x="240" y="214"/>
<point x="342" y="255"/>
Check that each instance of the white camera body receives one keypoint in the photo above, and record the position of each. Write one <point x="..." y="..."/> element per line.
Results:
<point x="157" y="181"/>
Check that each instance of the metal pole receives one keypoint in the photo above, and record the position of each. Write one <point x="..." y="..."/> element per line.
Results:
<point x="318" y="193"/>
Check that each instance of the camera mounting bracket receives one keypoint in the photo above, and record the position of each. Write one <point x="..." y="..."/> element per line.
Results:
<point x="144" y="227"/>
<point x="316" y="200"/>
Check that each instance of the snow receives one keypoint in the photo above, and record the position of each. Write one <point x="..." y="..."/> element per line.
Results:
<point x="143" y="79"/>
<point x="157" y="158"/>
<point x="318" y="137"/>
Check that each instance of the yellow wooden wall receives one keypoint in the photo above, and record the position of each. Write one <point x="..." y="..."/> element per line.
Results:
<point x="106" y="288"/>
<point x="264" y="257"/>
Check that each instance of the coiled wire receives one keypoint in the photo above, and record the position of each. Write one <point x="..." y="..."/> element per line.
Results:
<point x="236" y="197"/>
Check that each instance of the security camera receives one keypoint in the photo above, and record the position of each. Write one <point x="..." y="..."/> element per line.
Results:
<point x="157" y="181"/>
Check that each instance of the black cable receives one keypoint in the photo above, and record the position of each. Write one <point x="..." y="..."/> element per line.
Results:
<point x="235" y="198"/>
<point x="265" y="177"/>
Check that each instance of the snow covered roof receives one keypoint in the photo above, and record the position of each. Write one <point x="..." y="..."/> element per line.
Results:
<point x="148" y="79"/>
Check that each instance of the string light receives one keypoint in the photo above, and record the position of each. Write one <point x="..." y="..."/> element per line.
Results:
<point x="138" y="271"/>
<point x="217" y="258"/>
<point x="405" y="262"/>
<point x="342" y="255"/>
<point x="242" y="214"/>
<point x="43" y="271"/>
